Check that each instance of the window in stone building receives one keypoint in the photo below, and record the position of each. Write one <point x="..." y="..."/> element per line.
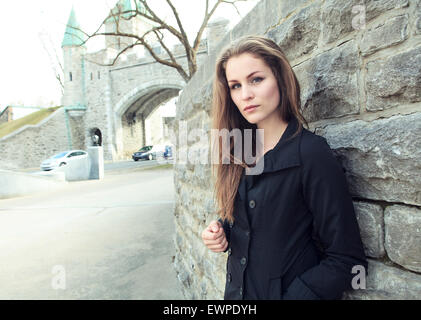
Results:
<point x="70" y="76"/>
<point x="99" y="75"/>
<point x="92" y="76"/>
<point x="157" y="50"/>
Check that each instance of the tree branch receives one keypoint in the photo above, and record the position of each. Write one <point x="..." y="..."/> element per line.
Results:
<point x="160" y="39"/>
<point x="116" y="58"/>
<point x="177" y="17"/>
<point x="156" y="19"/>
<point x="158" y="25"/>
<point x="204" y="24"/>
<point x="178" y="67"/>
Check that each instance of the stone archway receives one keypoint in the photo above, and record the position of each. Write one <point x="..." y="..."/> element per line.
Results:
<point x="132" y="110"/>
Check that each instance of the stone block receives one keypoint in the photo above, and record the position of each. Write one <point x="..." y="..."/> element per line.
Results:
<point x="387" y="282"/>
<point x="275" y="11"/>
<point x="299" y="34"/>
<point x="370" y="221"/>
<point x="418" y="18"/>
<point x="418" y="25"/>
<point x="336" y="19"/>
<point x="202" y="176"/>
<point x="374" y="8"/>
<point x="340" y="18"/>
<point x="382" y="158"/>
<point x="394" y="80"/>
<point x="403" y="236"/>
<point x="385" y="34"/>
<point x="265" y="15"/>
<point x="254" y="22"/>
<point x="286" y="8"/>
<point x="329" y="83"/>
<point x="368" y="295"/>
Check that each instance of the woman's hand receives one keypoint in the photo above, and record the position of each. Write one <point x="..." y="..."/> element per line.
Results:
<point x="214" y="237"/>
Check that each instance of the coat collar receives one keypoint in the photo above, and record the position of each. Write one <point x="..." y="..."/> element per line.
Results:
<point x="286" y="152"/>
<point x="284" y="155"/>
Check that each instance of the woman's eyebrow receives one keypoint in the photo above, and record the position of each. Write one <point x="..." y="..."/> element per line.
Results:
<point x="251" y="74"/>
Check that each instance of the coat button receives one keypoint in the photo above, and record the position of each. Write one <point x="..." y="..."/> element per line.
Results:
<point x="229" y="277"/>
<point x="252" y="204"/>
<point x="229" y="251"/>
<point x="231" y="224"/>
<point x="243" y="261"/>
<point x="241" y="291"/>
<point x="247" y="234"/>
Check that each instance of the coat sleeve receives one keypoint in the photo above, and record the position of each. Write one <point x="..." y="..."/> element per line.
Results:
<point x="327" y="197"/>
<point x="227" y="230"/>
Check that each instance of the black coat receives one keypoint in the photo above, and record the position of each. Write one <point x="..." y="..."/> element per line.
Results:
<point x="295" y="234"/>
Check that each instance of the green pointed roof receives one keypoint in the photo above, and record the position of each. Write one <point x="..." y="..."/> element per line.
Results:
<point x="72" y="37"/>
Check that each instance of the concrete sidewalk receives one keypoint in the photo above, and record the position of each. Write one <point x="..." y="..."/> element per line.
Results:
<point x="95" y="239"/>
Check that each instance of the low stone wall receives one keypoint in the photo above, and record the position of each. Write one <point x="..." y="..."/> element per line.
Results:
<point x="359" y="69"/>
<point x="17" y="184"/>
<point x="39" y="142"/>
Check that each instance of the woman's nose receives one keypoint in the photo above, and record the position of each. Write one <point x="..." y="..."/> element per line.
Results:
<point x="246" y="92"/>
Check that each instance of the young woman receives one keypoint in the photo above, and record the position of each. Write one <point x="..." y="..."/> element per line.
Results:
<point x="290" y="231"/>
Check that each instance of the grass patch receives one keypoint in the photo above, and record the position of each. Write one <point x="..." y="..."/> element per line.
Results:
<point x="33" y="118"/>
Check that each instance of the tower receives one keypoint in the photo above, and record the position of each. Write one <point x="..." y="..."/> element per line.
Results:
<point x="136" y="25"/>
<point x="74" y="65"/>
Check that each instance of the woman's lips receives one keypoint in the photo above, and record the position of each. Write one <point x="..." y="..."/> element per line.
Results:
<point x="250" y="108"/>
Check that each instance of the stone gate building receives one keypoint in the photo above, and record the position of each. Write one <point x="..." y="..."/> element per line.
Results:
<point x="115" y="101"/>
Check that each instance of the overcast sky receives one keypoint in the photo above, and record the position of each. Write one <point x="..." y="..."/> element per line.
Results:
<point x="26" y="75"/>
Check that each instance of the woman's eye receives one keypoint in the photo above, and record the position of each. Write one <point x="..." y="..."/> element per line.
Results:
<point x="235" y="86"/>
<point x="257" y="80"/>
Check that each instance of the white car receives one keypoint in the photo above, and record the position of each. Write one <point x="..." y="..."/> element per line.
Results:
<point x="63" y="158"/>
<point x="157" y="152"/>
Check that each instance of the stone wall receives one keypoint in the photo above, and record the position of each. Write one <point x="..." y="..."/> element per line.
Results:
<point x="359" y="69"/>
<point x="132" y="135"/>
<point x="39" y="142"/>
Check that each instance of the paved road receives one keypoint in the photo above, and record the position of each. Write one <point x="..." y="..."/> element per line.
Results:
<point x="117" y="165"/>
<point x="108" y="239"/>
<point x="126" y="164"/>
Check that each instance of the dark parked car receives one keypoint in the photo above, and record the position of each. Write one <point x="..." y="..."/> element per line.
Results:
<point x="143" y="153"/>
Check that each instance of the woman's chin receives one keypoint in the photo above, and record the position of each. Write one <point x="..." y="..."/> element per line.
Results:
<point x="252" y="120"/>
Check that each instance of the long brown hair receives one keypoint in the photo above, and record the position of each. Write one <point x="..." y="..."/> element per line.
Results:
<point x="226" y="115"/>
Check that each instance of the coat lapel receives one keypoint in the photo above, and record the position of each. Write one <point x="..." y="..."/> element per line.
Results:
<point x="284" y="155"/>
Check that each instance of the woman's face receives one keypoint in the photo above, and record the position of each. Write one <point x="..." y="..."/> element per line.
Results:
<point x="253" y="88"/>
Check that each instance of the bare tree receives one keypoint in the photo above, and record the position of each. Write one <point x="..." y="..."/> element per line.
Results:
<point x="158" y="30"/>
<point x="55" y="63"/>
